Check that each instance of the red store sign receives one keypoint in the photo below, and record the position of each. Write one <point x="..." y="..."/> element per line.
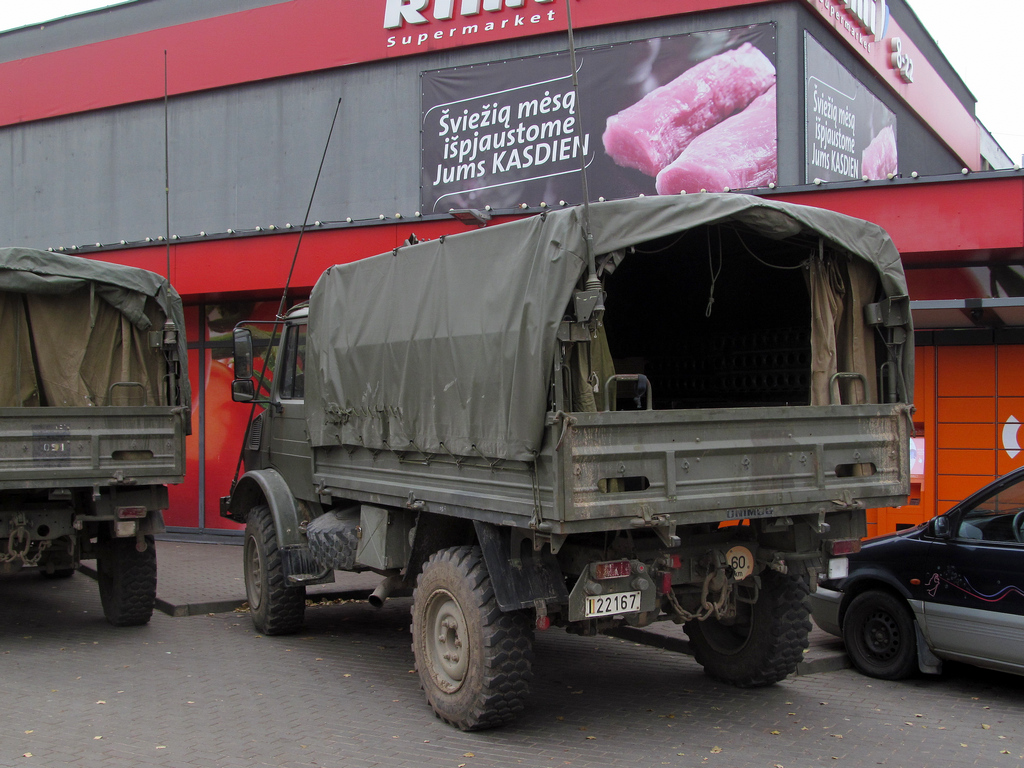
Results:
<point x="311" y="35"/>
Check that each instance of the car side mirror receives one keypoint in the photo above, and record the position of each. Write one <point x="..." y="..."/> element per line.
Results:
<point x="243" y="355"/>
<point x="243" y="391"/>
<point x="940" y="527"/>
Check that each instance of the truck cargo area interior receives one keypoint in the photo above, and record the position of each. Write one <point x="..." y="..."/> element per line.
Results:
<point x="714" y="317"/>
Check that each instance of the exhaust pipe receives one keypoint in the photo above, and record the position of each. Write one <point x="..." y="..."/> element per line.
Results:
<point x="385" y="588"/>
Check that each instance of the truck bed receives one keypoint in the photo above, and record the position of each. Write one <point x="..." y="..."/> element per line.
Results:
<point x="732" y="463"/>
<point x="613" y="470"/>
<point x="69" y="447"/>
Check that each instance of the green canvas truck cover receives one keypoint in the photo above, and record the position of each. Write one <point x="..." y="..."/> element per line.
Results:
<point x="73" y="326"/>
<point x="447" y="346"/>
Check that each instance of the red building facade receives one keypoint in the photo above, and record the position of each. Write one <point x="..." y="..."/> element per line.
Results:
<point x="234" y="108"/>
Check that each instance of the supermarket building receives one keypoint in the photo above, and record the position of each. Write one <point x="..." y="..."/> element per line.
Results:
<point x="184" y="136"/>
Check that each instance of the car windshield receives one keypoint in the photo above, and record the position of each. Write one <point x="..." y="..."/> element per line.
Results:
<point x="997" y="518"/>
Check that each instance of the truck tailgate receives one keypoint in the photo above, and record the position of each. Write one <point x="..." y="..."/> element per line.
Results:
<point x="719" y="464"/>
<point x="62" y="447"/>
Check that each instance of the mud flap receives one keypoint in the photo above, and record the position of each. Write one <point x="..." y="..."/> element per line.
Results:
<point x="927" y="662"/>
<point x="519" y="583"/>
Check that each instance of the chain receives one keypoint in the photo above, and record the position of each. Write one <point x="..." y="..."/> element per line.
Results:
<point x="709" y="609"/>
<point x="20" y="538"/>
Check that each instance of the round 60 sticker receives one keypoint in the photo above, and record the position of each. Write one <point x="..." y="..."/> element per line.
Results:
<point x="741" y="561"/>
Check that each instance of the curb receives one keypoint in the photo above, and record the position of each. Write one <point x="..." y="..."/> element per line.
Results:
<point x="177" y="610"/>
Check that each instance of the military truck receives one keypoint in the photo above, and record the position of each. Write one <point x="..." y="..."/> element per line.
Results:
<point x="672" y="408"/>
<point x="94" y="409"/>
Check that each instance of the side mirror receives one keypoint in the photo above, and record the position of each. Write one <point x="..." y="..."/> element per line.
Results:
<point x="940" y="527"/>
<point x="243" y="357"/>
<point x="243" y="391"/>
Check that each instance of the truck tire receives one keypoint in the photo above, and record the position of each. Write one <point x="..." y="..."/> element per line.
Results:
<point x="58" y="573"/>
<point x="767" y="640"/>
<point x="127" y="580"/>
<point x="474" y="662"/>
<point x="275" y="608"/>
<point x="879" y="634"/>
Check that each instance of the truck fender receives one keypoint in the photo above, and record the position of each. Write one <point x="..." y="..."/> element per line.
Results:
<point x="519" y="582"/>
<point x="268" y="486"/>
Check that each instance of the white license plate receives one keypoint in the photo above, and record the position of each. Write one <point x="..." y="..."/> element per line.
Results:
<point x="610" y="605"/>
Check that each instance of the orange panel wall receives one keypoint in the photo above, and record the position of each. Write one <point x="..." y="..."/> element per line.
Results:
<point x="1009" y="408"/>
<point x="965" y="444"/>
<point x="921" y="504"/>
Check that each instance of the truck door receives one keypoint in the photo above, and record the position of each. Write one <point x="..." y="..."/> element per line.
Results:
<point x="289" y="441"/>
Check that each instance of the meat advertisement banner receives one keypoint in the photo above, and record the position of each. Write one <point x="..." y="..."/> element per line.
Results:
<point x="659" y="116"/>
<point x="850" y="133"/>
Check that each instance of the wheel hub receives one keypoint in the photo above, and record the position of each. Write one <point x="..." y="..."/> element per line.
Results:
<point x="253" y="576"/>
<point x="882" y="636"/>
<point x="447" y="653"/>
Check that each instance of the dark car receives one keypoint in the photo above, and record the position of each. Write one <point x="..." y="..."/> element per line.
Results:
<point x="952" y="588"/>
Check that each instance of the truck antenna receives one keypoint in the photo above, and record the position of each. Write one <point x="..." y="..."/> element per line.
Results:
<point x="284" y="294"/>
<point x="167" y="178"/>
<point x="305" y="221"/>
<point x="593" y="283"/>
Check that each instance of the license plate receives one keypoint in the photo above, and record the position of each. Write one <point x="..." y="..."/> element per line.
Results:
<point x="610" y="605"/>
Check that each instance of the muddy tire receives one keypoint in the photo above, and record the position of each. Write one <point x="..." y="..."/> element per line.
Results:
<point x="879" y="634"/>
<point x="766" y="641"/>
<point x="474" y="662"/>
<point x="275" y="608"/>
<point x="127" y="580"/>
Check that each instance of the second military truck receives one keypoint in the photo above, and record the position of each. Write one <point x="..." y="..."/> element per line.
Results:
<point x="94" y="409"/>
<point x="677" y="410"/>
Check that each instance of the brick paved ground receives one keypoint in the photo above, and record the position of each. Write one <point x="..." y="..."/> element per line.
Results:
<point x="207" y="690"/>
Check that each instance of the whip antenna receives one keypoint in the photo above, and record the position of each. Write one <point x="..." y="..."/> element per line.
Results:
<point x="305" y="221"/>
<point x="592" y="281"/>
<point x="284" y="294"/>
<point x="167" y="178"/>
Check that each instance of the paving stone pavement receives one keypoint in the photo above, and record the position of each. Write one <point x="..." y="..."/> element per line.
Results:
<point x="206" y="690"/>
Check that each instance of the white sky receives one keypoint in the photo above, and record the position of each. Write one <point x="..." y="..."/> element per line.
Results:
<point x="981" y="38"/>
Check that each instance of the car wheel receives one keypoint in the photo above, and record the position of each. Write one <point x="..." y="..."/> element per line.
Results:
<point x="879" y="634"/>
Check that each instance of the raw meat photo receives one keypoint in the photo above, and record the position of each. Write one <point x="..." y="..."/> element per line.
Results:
<point x="653" y="132"/>
<point x="738" y="153"/>
<point x="879" y="157"/>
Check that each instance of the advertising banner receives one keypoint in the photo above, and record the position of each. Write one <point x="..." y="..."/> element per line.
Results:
<point x="850" y="133"/>
<point x="659" y="116"/>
